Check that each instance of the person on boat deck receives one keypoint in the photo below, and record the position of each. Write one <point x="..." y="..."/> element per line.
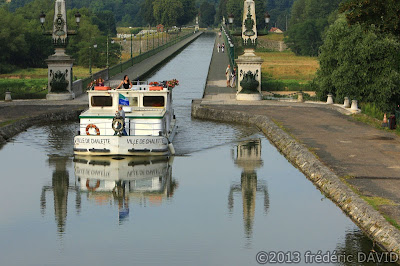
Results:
<point x="122" y="115"/>
<point x="126" y="83"/>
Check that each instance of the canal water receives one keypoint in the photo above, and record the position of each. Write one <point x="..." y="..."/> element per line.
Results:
<point x="228" y="195"/>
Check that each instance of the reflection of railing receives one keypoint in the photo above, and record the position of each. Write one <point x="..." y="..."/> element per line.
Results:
<point x="229" y="46"/>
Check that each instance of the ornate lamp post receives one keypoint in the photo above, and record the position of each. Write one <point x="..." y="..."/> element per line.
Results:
<point x="267" y="18"/>
<point x="60" y="64"/>
<point x="230" y="20"/>
<point x="131" y="42"/>
<point x="90" y="61"/>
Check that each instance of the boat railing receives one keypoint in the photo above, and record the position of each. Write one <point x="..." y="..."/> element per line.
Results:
<point x="132" y="128"/>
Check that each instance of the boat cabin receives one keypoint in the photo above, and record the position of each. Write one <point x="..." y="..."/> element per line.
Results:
<point x="148" y="111"/>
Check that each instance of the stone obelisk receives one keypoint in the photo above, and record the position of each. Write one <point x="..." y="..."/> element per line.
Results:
<point x="60" y="64"/>
<point x="249" y="65"/>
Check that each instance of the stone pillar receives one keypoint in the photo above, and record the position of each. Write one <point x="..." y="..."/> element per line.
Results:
<point x="60" y="65"/>
<point x="329" y="100"/>
<point x="60" y="76"/>
<point x="354" y="106"/>
<point x="300" y="98"/>
<point x="346" y="103"/>
<point x="249" y="9"/>
<point x="8" y="96"/>
<point x="196" y="27"/>
<point x="248" y="64"/>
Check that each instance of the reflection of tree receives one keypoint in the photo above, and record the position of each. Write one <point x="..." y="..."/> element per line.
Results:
<point x="60" y="188"/>
<point x="248" y="157"/>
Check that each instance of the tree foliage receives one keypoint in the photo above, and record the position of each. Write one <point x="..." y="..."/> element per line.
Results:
<point x="167" y="12"/>
<point x="207" y="14"/>
<point x="360" y="64"/>
<point x="308" y="22"/>
<point x="23" y="45"/>
<point x="279" y="11"/>
<point x="385" y="15"/>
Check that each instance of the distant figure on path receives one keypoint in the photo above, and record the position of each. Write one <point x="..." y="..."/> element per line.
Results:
<point x="223" y="47"/>
<point x="219" y="34"/>
<point x="126" y="83"/>
<point x="228" y="73"/>
<point x="233" y="80"/>
<point x="218" y="47"/>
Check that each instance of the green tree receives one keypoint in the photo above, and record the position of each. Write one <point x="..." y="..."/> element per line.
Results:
<point x="309" y="20"/>
<point x="148" y="12"/>
<point x="167" y="12"/>
<point x="188" y="14"/>
<point x="360" y="64"/>
<point x="235" y="7"/>
<point x="207" y="14"/>
<point x="305" y="38"/>
<point x="383" y="14"/>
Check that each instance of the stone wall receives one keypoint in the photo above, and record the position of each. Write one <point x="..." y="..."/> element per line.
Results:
<point x="272" y="45"/>
<point x="69" y="114"/>
<point x="364" y="215"/>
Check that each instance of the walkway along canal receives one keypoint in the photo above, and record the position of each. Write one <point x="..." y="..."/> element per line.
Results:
<point x="229" y="195"/>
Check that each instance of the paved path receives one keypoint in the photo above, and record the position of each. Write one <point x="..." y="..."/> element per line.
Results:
<point x="216" y="80"/>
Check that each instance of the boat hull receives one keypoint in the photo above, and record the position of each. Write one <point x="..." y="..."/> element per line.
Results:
<point x="97" y="145"/>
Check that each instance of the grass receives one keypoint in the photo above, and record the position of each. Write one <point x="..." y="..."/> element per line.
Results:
<point x="378" y="201"/>
<point x="375" y="122"/>
<point x="8" y="122"/>
<point x="371" y="110"/>
<point x="40" y="73"/>
<point x="286" y="71"/>
<point x="24" y="88"/>
<point x="271" y="37"/>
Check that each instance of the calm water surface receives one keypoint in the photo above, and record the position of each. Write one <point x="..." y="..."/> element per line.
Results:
<point x="232" y="195"/>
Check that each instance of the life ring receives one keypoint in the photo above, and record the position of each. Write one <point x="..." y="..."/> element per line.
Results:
<point x="118" y="124"/>
<point x="92" y="126"/>
<point x="92" y="188"/>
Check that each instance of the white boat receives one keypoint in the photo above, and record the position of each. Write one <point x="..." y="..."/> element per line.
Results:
<point x="148" y="129"/>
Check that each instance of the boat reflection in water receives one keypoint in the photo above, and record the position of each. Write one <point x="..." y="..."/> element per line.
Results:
<point x="248" y="157"/>
<point x="121" y="180"/>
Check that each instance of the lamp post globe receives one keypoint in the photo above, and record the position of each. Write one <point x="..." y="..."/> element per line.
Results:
<point x="77" y="17"/>
<point x="230" y="18"/>
<point x="267" y="18"/>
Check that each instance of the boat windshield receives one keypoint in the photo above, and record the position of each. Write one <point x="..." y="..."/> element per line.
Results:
<point x="153" y="101"/>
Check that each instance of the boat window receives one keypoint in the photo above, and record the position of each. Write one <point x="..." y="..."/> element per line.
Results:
<point x="153" y="101"/>
<point x="101" y="101"/>
<point x="133" y="101"/>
